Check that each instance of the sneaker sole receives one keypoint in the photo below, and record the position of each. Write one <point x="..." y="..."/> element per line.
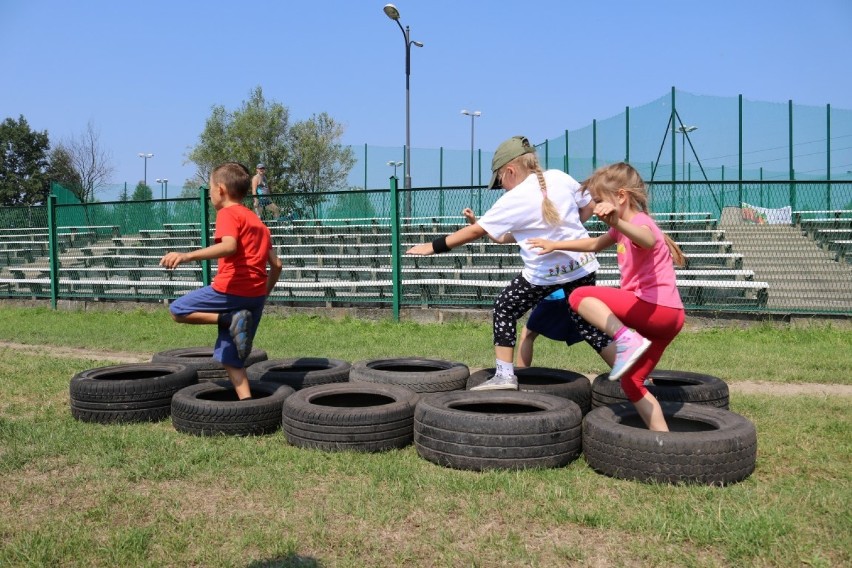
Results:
<point x="235" y="331"/>
<point x="494" y="387"/>
<point x="633" y="358"/>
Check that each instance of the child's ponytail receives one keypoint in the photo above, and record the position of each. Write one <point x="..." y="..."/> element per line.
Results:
<point x="678" y="257"/>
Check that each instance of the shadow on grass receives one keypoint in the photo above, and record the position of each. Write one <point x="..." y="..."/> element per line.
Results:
<point x="289" y="561"/>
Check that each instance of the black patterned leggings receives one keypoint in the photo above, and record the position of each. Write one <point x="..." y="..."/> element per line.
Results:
<point x="520" y="296"/>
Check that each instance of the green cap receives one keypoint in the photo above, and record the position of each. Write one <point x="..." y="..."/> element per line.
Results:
<point x="505" y="153"/>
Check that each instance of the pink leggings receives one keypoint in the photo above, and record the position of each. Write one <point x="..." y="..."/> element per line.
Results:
<point x="658" y="324"/>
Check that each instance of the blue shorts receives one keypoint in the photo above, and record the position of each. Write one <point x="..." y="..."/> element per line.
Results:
<point x="552" y="319"/>
<point x="208" y="300"/>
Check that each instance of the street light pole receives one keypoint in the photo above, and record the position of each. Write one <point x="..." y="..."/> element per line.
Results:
<point x="392" y="13"/>
<point x="164" y="188"/>
<point x="145" y="157"/>
<point x="394" y="165"/>
<point x="472" y="114"/>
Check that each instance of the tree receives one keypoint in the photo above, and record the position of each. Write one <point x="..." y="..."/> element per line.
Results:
<point x="307" y="159"/>
<point x="23" y="163"/>
<point x="318" y="162"/>
<point x="142" y="193"/>
<point x="62" y="171"/>
<point x="256" y="132"/>
<point x="89" y="161"/>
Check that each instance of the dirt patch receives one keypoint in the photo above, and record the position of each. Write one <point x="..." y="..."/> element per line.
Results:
<point x="76" y="353"/>
<point x="742" y="387"/>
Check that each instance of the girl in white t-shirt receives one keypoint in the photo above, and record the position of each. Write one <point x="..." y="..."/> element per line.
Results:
<point x="549" y="205"/>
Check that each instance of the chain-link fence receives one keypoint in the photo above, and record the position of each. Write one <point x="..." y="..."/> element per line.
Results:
<point x="760" y="247"/>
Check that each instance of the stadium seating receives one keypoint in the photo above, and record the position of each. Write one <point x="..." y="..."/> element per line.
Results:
<point x="348" y="261"/>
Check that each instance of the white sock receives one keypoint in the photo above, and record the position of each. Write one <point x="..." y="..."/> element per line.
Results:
<point x="505" y="369"/>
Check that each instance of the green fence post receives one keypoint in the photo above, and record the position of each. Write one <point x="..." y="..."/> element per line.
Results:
<point x="594" y="143"/>
<point x="792" y="173"/>
<point x="627" y="134"/>
<point x="567" y="161"/>
<point x="546" y="152"/>
<point x="365" y="166"/>
<point x="54" y="253"/>
<point x="395" y="260"/>
<point x="479" y="188"/>
<point x="204" y="196"/>
<point x="740" y="177"/>
<point x="441" y="181"/>
<point x="828" y="156"/>
<point x="674" y="155"/>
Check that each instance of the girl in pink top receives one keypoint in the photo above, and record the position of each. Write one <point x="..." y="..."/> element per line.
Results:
<point x="647" y="301"/>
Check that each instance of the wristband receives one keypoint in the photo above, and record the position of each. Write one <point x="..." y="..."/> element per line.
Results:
<point x="439" y="245"/>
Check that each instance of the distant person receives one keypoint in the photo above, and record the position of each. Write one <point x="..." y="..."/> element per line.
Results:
<point x="536" y="204"/>
<point x="648" y="299"/>
<point x="260" y="190"/>
<point x="235" y="299"/>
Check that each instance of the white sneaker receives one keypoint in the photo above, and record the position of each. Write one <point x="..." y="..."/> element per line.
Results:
<point x="627" y="352"/>
<point x="498" y="382"/>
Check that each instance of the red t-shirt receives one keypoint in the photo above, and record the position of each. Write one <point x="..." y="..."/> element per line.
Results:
<point x="244" y="272"/>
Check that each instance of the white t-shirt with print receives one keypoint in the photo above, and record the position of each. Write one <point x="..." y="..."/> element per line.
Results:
<point x="518" y="211"/>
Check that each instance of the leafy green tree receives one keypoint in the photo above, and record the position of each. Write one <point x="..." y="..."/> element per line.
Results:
<point x="61" y="170"/>
<point x="318" y="162"/>
<point x="23" y="163"/>
<point x="254" y="133"/>
<point x="353" y="203"/>
<point x="306" y="158"/>
<point x="142" y="193"/>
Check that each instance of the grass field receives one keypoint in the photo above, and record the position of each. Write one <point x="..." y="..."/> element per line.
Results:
<point x="78" y="494"/>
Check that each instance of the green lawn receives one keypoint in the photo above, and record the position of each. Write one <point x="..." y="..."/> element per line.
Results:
<point x="78" y="494"/>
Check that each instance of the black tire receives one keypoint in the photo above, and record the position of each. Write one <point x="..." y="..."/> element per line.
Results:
<point x="706" y="445"/>
<point x="137" y="392"/>
<point x="120" y="416"/>
<point x="301" y="372"/>
<point x="498" y="430"/>
<point x="419" y="375"/>
<point x="361" y="417"/>
<point x="670" y="386"/>
<point x="211" y="408"/>
<point x="542" y="380"/>
<point x="201" y="359"/>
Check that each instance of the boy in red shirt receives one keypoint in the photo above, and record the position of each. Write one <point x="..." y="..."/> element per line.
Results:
<point x="235" y="299"/>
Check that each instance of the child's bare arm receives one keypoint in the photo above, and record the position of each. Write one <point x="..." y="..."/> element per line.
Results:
<point x="596" y="244"/>
<point x="274" y="273"/>
<point x="226" y="247"/>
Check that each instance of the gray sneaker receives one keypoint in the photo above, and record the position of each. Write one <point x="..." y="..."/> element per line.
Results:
<point x="498" y="382"/>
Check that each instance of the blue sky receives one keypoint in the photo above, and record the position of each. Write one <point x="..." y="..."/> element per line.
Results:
<point x="147" y="73"/>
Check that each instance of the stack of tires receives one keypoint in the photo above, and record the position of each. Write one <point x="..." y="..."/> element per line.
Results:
<point x="136" y="392"/>
<point x="385" y="404"/>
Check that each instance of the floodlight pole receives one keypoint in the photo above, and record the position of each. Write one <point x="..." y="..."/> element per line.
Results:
<point x="145" y="157"/>
<point x="392" y="13"/>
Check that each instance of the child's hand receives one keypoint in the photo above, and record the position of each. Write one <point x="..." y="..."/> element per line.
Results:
<point x="607" y="213"/>
<point x="423" y="249"/>
<point x="469" y="216"/>
<point x="545" y="245"/>
<point x="173" y="259"/>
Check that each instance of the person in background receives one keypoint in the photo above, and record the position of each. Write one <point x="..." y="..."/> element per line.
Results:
<point x="260" y="190"/>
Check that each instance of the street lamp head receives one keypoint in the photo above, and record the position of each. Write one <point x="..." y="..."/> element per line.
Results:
<point x="391" y="11"/>
<point x="417" y="43"/>
<point x="686" y="129"/>
<point x="158" y="180"/>
<point x="143" y="155"/>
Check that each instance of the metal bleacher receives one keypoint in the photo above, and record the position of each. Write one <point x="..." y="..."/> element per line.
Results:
<point x="348" y="262"/>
